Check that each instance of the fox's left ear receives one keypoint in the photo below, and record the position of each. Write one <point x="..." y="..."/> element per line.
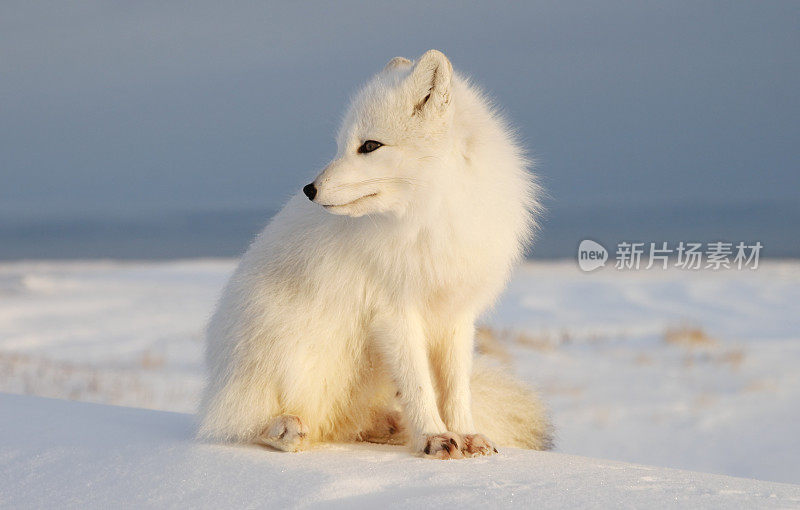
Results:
<point x="429" y="82"/>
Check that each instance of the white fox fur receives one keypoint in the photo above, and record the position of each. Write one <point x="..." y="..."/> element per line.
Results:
<point x="351" y="317"/>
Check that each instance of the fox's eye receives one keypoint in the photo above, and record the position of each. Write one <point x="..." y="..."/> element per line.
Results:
<point x="369" y="146"/>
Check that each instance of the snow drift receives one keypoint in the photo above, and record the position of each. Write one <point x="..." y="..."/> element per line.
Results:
<point x="79" y="455"/>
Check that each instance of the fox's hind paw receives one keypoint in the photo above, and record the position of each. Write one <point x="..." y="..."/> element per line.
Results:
<point x="286" y="432"/>
<point x="387" y="428"/>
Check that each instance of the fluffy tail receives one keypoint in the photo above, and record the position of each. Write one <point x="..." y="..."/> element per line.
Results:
<point x="506" y="411"/>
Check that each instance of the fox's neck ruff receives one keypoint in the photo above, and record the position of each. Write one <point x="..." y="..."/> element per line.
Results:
<point x="478" y="186"/>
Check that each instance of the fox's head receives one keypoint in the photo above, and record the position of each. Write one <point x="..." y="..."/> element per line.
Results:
<point x="393" y="137"/>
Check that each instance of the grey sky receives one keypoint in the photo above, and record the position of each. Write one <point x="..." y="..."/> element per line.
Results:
<point x="141" y="106"/>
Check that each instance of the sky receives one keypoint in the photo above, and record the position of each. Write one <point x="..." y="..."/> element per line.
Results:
<point x="133" y="107"/>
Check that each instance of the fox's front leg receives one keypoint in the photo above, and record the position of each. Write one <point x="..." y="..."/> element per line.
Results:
<point x="400" y="340"/>
<point x="451" y="357"/>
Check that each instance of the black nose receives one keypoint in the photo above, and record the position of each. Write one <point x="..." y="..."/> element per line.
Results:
<point x="310" y="190"/>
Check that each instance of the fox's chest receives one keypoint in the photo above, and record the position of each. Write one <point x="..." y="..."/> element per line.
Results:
<point x="457" y="278"/>
<point x="453" y="266"/>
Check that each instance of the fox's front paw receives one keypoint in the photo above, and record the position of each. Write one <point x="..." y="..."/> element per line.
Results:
<point x="285" y="432"/>
<point x="477" y="444"/>
<point x="386" y="428"/>
<point x="444" y="446"/>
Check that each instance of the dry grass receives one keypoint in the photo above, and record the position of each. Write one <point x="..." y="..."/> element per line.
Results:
<point x="690" y="337"/>
<point x="146" y="385"/>
<point x="543" y="343"/>
<point x="488" y="344"/>
<point x="491" y="342"/>
<point x="703" y="401"/>
<point x="150" y="360"/>
<point x="759" y="385"/>
<point x="554" y="388"/>
<point x="733" y="357"/>
<point x="702" y="348"/>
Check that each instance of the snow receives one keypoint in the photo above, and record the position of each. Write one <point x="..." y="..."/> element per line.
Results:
<point x="682" y="369"/>
<point x="79" y="455"/>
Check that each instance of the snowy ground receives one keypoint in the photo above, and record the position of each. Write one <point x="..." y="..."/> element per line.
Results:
<point x="75" y="455"/>
<point x="691" y="370"/>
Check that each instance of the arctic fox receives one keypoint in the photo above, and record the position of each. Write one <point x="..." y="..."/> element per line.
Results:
<point x="351" y="316"/>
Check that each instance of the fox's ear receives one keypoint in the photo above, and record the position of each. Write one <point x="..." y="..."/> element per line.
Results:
<point x="429" y="82"/>
<point x="398" y="62"/>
